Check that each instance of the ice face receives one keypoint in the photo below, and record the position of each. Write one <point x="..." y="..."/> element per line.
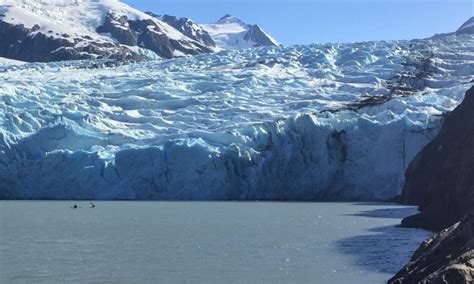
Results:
<point x="332" y="121"/>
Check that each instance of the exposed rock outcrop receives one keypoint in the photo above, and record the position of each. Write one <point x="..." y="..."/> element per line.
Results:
<point x="187" y="27"/>
<point x="43" y="31"/>
<point x="447" y="257"/>
<point x="148" y="34"/>
<point x="440" y="180"/>
<point x="257" y="35"/>
<point x="25" y="44"/>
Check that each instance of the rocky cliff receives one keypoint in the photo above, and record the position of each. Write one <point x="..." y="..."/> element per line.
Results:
<point x="190" y="29"/>
<point x="440" y="180"/>
<point x="26" y="44"/>
<point x="149" y="34"/>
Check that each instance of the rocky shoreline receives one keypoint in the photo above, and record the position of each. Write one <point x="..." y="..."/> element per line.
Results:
<point x="446" y="257"/>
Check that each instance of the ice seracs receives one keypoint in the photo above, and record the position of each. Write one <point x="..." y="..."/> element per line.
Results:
<point x="230" y="32"/>
<point x="317" y="122"/>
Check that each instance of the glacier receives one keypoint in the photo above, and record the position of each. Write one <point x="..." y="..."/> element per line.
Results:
<point x="315" y="122"/>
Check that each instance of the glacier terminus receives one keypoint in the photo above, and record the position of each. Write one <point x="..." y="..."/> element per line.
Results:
<point x="316" y="122"/>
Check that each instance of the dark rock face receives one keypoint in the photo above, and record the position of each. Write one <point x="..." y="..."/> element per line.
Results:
<point x="118" y="27"/>
<point x="440" y="180"/>
<point x="256" y="35"/>
<point x="447" y="257"/>
<point x="20" y="43"/>
<point x="188" y="28"/>
<point x="28" y="44"/>
<point x="147" y="34"/>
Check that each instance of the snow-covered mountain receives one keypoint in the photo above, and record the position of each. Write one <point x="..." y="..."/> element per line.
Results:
<point x="54" y="30"/>
<point x="230" y="32"/>
<point x="317" y="122"/>
<point x="187" y="27"/>
<point x="227" y="33"/>
<point x="40" y="30"/>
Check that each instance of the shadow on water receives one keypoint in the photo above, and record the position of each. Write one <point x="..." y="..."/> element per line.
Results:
<point x="384" y="249"/>
<point x="395" y="213"/>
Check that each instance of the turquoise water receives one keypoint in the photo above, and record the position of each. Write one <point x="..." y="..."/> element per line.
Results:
<point x="203" y="242"/>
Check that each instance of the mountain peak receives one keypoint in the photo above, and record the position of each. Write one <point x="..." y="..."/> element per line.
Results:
<point x="229" y="32"/>
<point x="229" y="19"/>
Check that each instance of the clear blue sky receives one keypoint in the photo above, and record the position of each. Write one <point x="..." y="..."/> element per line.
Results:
<point x="310" y="21"/>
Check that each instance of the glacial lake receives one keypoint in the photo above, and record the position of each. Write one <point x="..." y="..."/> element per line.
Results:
<point x="203" y="242"/>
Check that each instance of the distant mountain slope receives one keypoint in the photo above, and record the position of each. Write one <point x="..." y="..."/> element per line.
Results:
<point x="187" y="27"/>
<point x="466" y="28"/>
<point x="72" y="29"/>
<point x="40" y="30"/>
<point x="230" y="32"/>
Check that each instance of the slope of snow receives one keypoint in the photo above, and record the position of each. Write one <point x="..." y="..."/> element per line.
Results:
<point x="7" y="61"/>
<point x="229" y="33"/>
<point x="73" y="19"/>
<point x="330" y="121"/>
<point x="228" y="36"/>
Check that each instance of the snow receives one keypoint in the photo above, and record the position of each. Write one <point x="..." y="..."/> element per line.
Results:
<point x="7" y="61"/>
<point x="228" y="36"/>
<point x="268" y="123"/>
<point x="229" y="32"/>
<point x="75" y="18"/>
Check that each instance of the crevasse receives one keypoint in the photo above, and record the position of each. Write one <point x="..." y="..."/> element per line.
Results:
<point x="318" y="122"/>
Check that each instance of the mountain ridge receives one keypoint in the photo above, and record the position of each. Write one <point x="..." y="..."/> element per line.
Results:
<point x="43" y="31"/>
<point x="187" y="27"/>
